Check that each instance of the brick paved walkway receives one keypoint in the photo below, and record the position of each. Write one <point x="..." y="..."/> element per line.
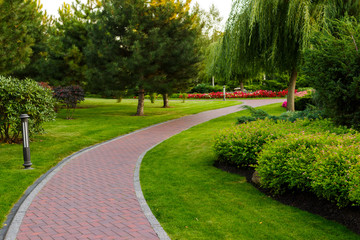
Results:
<point x="93" y="196"/>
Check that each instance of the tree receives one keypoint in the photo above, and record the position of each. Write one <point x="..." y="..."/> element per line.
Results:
<point x="231" y="61"/>
<point x="132" y="45"/>
<point x="123" y="46"/>
<point x="17" y="20"/>
<point x="178" y="64"/>
<point x="39" y="50"/>
<point x="64" y="62"/>
<point x="212" y="33"/>
<point x="333" y="66"/>
<point x="271" y="35"/>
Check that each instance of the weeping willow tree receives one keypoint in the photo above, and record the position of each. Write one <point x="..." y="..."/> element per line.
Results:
<point x="270" y="35"/>
<point x="231" y="60"/>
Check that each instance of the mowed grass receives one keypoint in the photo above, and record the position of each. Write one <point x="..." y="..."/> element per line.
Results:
<point x="194" y="200"/>
<point x="95" y="121"/>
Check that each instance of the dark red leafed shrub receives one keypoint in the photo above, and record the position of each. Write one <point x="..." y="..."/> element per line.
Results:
<point x="70" y="96"/>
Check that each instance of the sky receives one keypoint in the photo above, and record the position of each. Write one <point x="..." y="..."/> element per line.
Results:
<point x="224" y="6"/>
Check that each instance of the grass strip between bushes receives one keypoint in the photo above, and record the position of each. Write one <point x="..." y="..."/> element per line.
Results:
<point x="95" y="121"/>
<point x="194" y="200"/>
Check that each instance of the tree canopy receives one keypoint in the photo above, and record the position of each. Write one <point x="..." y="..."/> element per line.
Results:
<point x="19" y="21"/>
<point x="270" y="36"/>
<point x="145" y="45"/>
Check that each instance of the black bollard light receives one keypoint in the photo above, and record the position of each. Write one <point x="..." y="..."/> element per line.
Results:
<point x="26" y="147"/>
<point x="224" y="91"/>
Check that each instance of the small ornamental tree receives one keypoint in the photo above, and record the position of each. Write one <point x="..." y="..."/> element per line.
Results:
<point x="23" y="97"/>
<point x="70" y="96"/>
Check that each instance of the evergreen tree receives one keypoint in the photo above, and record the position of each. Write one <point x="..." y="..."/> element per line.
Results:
<point x="178" y="64"/>
<point x="140" y="44"/>
<point x="18" y="20"/>
<point x="34" y="69"/>
<point x="64" y="61"/>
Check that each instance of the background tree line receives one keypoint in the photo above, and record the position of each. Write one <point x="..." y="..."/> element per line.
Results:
<point x="109" y="47"/>
<point x="118" y="47"/>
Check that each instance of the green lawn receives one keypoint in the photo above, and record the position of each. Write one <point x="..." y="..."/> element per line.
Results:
<point x="194" y="200"/>
<point x="95" y="121"/>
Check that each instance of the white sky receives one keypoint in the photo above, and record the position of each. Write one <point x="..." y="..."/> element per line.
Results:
<point x="224" y="6"/>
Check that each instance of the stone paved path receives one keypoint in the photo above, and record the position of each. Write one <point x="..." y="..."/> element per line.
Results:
<point x="93" y="196"/>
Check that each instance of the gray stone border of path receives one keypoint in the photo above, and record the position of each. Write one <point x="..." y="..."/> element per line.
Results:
<point x="17" y="213"/>
<point x="144" y="206"/>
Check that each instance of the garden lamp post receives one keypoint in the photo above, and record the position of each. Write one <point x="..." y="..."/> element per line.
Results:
<point x="25" y="133"/>
<point x="224" y="92"/>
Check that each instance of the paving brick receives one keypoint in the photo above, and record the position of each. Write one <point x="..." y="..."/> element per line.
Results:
<point x="93" y="195"/>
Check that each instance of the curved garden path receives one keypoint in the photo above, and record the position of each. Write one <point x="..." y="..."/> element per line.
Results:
<point x="96" y="194"/>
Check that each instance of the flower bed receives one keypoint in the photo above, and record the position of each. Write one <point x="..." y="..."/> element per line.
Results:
<point x="256" y="94"/>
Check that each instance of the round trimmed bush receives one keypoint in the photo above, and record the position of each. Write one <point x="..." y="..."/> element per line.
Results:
<point x="23" y="97"/>
<point x="240" y="145"/>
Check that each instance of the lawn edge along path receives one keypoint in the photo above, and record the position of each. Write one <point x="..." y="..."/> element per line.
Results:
<point x="95" y="193"/>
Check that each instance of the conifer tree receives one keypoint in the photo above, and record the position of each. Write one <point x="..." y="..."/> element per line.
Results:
<point x="17" y="20"/>
<point x="178" y="64"/>
<point x="64" y="61"/>
<point x="142" y="45"/>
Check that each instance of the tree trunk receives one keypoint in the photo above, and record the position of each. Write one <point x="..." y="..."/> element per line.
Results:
<point x="165" y="100"/>
<point x="242" y="86"/>
<point x="140" y="107"/>
<point x="291" y="91"/>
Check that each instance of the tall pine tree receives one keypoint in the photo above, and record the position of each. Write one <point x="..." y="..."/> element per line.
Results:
<point x="142" y="45"/>
<point x="180" y="31"/>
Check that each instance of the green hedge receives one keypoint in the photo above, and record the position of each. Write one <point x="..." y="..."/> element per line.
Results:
<point x="326" y="164"/>
<point x="302" y="103"/>
<point x="256" y="114"/>
<point x="206" y="88"/>
<point x="241" y="144"/>
<point x="305" y="155"/>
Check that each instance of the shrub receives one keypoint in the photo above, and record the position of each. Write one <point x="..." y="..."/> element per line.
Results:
<point x="301" y="103"/>
<point x="335" y="176"/>
<point x="256" y="114"/>
<point x="285" y="163"/>
<point x="332" y="65"/>
<point x="241" y="144"/>
<point x="184" y="96"/>
<point x="70" y="96"/>
<point x="326" y="164"/>
<point x="205" y="88"/>
<point x="23" y="97"/>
